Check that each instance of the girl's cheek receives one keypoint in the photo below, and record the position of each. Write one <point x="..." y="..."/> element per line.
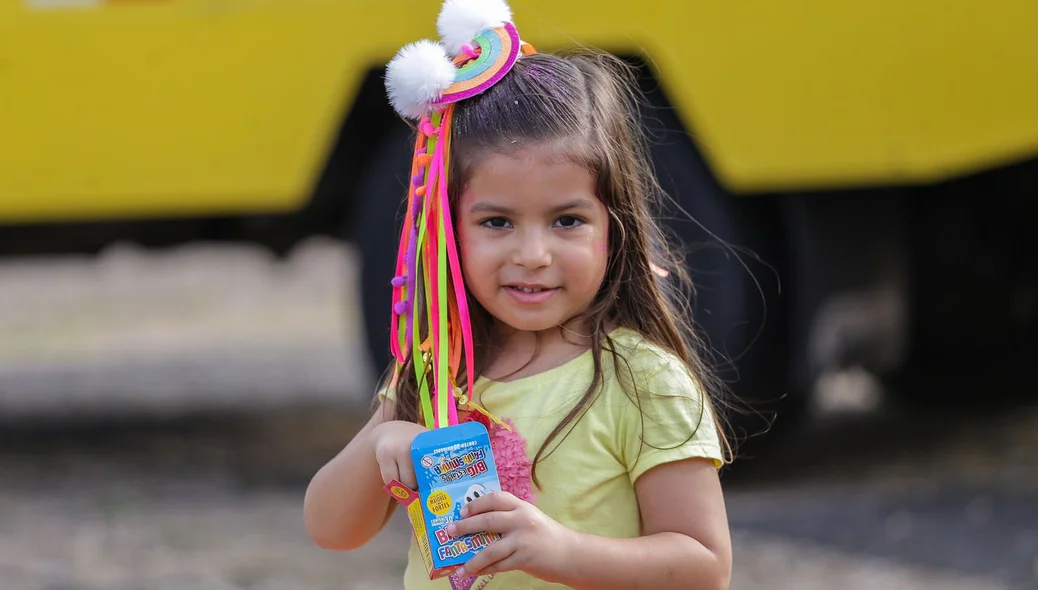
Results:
<point x="464" y="248"/>
<point x="464" y="243"/>
<point x="473" y="253"/>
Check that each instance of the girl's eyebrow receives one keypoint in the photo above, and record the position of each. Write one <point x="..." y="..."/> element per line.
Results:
<point x="578" y="203"/>
<point x="484" y="207"/>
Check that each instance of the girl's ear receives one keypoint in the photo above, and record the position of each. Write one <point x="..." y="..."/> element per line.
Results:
<point x="658" y="271"/>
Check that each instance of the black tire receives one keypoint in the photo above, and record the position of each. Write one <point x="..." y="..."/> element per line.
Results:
<point x="738" y="274"/>
<point x="382" y="196"/>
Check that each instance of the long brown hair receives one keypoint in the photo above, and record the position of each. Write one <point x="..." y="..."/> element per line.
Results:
<point x="587" y="104"/>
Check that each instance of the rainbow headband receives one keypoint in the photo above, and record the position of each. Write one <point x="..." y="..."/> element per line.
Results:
<point x="479" y="45"/>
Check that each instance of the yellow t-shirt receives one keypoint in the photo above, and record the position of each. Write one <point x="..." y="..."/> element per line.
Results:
<point x="588" y="480"/>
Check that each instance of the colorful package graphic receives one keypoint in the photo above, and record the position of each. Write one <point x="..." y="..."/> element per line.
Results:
<point x="454" y="465"/>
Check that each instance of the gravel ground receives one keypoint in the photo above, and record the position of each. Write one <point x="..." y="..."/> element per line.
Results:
<point x="164" y="413"/>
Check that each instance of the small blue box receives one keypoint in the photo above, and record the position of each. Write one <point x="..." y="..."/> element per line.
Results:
<point x="454" y="465"/>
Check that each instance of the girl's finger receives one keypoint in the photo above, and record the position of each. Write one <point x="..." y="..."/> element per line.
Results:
<point x="406" y="474"/>
<point x="390" y="472"/>
<point x="492" y="502"/>
<point x="491" y="522"/>
<point x="489" y="558"/>
<point x="505" y="565"/>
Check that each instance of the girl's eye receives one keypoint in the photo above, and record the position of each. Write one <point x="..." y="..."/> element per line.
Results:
<point x="496" y="223"/>
<point x="568" y="221"/>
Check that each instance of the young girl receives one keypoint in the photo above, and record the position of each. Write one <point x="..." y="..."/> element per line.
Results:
<point x="582" y="360"/>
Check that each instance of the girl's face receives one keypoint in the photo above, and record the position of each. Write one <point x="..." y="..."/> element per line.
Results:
<point x="534" y="238"/>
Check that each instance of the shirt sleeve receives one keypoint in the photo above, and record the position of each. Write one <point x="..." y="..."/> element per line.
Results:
<point x="666" y="420"/>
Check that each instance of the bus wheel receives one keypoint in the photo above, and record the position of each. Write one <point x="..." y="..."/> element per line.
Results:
<point x="736" y="255"/>
<point x="381" y="198"/>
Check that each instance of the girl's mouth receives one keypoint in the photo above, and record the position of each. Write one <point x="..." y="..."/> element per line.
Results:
<point x="530" y="294"/>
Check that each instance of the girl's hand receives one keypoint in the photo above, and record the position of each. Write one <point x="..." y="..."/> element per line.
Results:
<point x="392" y="441"/>
<point x="530" y="540"/>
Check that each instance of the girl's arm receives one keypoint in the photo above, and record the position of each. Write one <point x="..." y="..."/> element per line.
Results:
<point x="685" y="543"/>
<point x="345" y="505"/>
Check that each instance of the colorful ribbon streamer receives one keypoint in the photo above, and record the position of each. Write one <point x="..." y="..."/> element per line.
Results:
<point x="428" y="267"/>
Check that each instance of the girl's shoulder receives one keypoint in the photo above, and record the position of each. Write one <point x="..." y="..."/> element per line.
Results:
<point x="643" y="359"/>
<point x="665" y="413"/>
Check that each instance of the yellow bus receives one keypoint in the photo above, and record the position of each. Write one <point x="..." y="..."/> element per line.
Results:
<point x="873" y="155"/>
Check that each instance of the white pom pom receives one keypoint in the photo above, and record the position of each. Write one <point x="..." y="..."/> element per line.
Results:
<point x="418" y="76"/>
<point x="461" y="20"/>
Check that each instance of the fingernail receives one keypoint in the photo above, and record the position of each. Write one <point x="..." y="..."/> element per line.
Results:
<point x="464" y="511"/>
<point x="451" y="529"/>
<point x="461" y="572"/>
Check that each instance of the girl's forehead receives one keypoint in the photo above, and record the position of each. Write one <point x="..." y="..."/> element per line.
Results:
<point x="522" y="160"/>
<point x="527" y="171"/>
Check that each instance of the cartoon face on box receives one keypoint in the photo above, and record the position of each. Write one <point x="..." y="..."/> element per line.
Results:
<point x="454" y="465"/>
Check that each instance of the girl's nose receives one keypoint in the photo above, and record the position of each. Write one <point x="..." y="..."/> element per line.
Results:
<point x="532" y="250"/>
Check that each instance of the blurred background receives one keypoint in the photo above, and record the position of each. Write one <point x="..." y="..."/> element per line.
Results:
<point x="198" y="206"/>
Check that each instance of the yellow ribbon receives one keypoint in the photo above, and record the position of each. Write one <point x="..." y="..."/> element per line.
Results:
<point x="466" y="401"/>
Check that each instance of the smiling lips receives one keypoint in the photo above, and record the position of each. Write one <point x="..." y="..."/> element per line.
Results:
<point x="530" y="293"/>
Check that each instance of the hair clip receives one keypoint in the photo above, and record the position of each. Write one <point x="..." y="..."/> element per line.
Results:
<point x="479" y="45"/>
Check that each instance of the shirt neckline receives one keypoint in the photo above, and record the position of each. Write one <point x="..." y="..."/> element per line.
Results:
<point x="483" y="383"/>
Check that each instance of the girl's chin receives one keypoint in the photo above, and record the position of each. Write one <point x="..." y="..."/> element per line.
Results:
<point x="520" y="324"/>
